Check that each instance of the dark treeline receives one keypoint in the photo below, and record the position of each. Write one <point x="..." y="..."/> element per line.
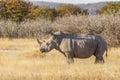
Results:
<point x="19" y="10"/>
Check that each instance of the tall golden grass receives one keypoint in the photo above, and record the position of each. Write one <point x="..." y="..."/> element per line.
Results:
<point x="20" y="59"/>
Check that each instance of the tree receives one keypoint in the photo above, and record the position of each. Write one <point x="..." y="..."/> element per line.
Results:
<point x="43" y="12"/>
<point x="17" y="10"/>
<point x="68" y="9"/>
<point x="2" y="9"/>
<point x="110" y="8"/>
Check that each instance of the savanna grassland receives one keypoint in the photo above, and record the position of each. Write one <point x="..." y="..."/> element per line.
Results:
<point x="22" y="23"/>
<point x="20" y="59"/>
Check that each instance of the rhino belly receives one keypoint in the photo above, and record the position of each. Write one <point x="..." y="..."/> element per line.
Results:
<point x="84" y="51"/>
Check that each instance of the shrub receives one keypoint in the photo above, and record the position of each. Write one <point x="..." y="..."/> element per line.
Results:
<point x="69" y="9"/>
<point x="110" y="8"/>
<point x="106" y="25"/>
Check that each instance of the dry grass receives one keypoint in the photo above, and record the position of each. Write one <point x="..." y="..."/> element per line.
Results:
<point x="20" y="59"/>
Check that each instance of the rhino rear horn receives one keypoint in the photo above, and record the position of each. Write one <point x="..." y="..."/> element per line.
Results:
<point x="39" y="41"/>
<point x="52" y="33"/>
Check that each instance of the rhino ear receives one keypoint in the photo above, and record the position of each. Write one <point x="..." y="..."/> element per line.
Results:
<point x="39" y="41"/>
<point x="60" y="32"/>
<point x="52" y="34"/>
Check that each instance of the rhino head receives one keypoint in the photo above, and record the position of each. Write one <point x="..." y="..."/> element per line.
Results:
<point x="51" y="43"/>
<point x="46" y="46"/>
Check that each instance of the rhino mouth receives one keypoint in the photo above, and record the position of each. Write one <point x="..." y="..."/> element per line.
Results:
<point x="44" y="51"/>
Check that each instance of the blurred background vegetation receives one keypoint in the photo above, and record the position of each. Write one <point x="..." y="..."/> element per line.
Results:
<point x="19" y="10"/>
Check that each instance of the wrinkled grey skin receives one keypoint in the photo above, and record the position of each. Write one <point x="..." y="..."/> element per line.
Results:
<point x="73" y="46"/>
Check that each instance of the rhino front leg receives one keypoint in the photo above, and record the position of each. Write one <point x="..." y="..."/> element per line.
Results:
<point x="69" y="58"/>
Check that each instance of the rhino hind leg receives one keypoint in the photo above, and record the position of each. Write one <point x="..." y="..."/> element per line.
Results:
<point x="99" y="59"/>
<point x="99" y="55"/>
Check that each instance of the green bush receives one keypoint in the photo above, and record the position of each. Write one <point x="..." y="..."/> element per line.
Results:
<point x="110" y="8"/>
<point x="15" y="10"/>
<point x="69" y="9"/>
<point x="43" y="12"/>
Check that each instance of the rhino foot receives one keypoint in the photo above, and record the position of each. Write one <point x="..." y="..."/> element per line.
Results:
<point x="99" y="60"/>
<point x="70" y="61"/>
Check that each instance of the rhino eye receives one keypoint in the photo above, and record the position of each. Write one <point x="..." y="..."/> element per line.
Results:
<point x="47" y="43"/>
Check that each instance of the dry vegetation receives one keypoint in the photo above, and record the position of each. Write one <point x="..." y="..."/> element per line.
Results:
<point x="20" y="59"/>
<point x="106" y="25"/>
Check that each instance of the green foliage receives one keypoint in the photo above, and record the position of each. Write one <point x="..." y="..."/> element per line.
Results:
<point x="110" y="8"/>
<point x="43" y="12"/>
<point x="16" y="10"/>
<point x="68" y="9"/>
<point x="2" y="9"/>
<point x="47" y="13"/>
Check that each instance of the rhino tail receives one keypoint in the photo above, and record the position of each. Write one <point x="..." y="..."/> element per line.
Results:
<point x="106" y="52"/>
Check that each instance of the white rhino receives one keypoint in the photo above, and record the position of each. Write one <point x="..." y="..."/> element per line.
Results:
<point x="74" y="46"/>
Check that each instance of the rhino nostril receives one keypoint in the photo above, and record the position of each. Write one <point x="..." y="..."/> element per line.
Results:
<point x="42" y="50"/>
